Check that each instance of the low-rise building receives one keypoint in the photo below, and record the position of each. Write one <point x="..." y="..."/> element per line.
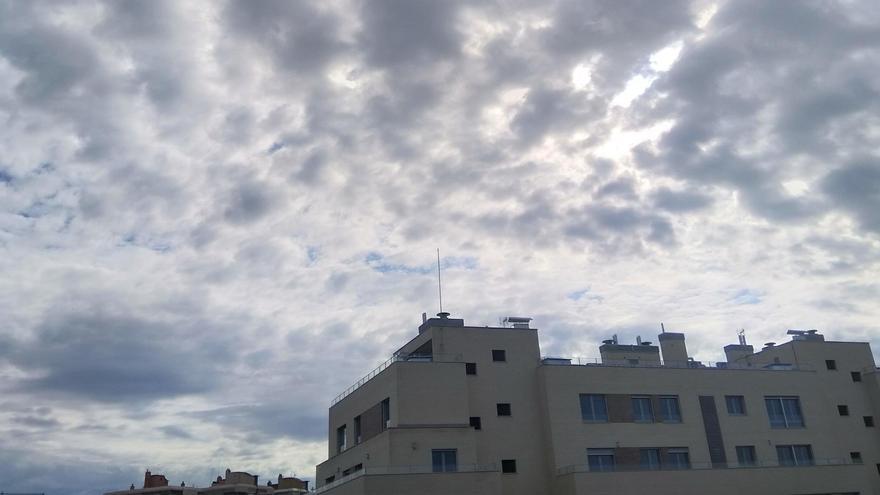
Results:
<point x="233" y="483"/>
<point x="477" y="410"/>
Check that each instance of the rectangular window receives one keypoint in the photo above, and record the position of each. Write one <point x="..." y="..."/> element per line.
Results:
<point x="794" y="455"/>
<point x="593" y="407"/>
<point x="476" y="423"/>
<point x="503" y="409"/>
<point x="736" y="405"/>
<point x="856" y="376"/>
<point x="508" y="465"/>
<point x="444" y="460"/>
<point x="679" y="458"/>
<point x="499" y="355"/>
<point x="340" y="439"/>
<point x="642" y="410"/>
<point x="869" y="421"/>
<point x="329" y="479"/>
<point x="386" y="414"/>
<point x="649" y="459"/>
<point x="784" y="412"/>
<point x="855" y="457"/>
<point x="670" y="412"/>
<point x="357" y="430"/>
<point x="843" y="410"/>
<point x="470" y="368"/>
<point x="746" y="456"/>
<point x="600" y="459"/>
<point x="831" y="364"/>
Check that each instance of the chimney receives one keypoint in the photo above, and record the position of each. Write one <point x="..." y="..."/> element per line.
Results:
<point x="735" y="352"/>
<point x="673" y="348"/>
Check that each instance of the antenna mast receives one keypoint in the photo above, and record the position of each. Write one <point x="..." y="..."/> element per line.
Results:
<point x="439" y="284"/>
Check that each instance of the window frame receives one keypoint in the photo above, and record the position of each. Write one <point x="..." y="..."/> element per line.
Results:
<point x="664" y="412"/>
<point x="831" y="365"/>
<point x="650" y="465"/>
<point x="856" y="457"/>
<point x="341" y="439"/>
<point x="594" y="417"/>
<point x="673" y="458"/>
<point x="476" y="422"/>
<point x="501" y="406"/>
<point x="869" y="421"/>
<point x="637" y="411"/>
<point x="737" y="400"/>
<point x="856" y="376"/>
<point x="386" y="413"/>
<point x="843" y="410"/>
<point x="444" y="463"/>
<point x="508" y="466"/>
<point x="797" y="458"/>
<point x="357" y="430"/>
<point x="496" y="353"/>
<point x="749" y="460"/>
<point x="787" y="418"/>
<point x="470" y="369"/>
<point x="604" y="456"/>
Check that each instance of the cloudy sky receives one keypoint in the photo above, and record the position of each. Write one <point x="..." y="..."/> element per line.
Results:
<point x="215" y="216"/>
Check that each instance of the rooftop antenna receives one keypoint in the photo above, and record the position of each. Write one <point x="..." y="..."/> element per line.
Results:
<point x="662" y="328"/>
<point x="439" y="284"/>
<point x="742" y="336"/>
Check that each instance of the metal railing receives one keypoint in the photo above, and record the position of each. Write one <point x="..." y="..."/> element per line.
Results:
<point x="413" y="358"/>
<point x="721" y="365"/>
<point x="400" y="470"/>
<point x="585" y="468"/>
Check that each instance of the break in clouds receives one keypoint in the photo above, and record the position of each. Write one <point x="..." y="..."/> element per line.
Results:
<point x="215" y="216"/>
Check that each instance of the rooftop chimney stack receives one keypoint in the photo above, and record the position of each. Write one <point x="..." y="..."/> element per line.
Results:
<point x="674" y="349"/>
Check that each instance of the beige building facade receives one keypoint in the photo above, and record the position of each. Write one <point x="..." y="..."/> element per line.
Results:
<point x="477" y="410"/>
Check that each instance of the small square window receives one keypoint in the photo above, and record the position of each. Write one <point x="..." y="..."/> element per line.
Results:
<point x="843" y="410"/>
<point x="470" y="368"/>
<point x="508" y="465"/>
<point x="831" y="364"/>
<point x="869" y="421"/>
<point x="476" y="423"/>
<point x="855" y="457"/>
<point x="856" y="376"/>
<point x="499" y="355"/>
<point x="736" y="405"/>
<point x="503" y="409"/>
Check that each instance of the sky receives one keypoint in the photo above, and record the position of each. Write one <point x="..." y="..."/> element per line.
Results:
<point x="215" y="216"/>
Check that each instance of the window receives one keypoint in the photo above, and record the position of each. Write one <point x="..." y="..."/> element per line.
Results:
<point x="357" y="467"/>
<point x="649" y="459"/>
<point x="679" y="458"/>
<point x="669" y="410"/>
<point x="794" y="455"/>
<point x="340" y="439"/>
<point x="444" y="460"/>
<point x="386" y="414"/>
<point x="600" y="459"/>
<point x="736" y="405"/>
<point x="784" y="412"/>
<point x="357" y="430"/>
<point x="499" y="355"/>
<point x="508" y="465"/>
<point x="746" y="456"/>
<point x="503" y="409"/>
<point x="856" y="376"/>
<point x="329" y="479"/>
<point x="843" y="410"/>
<point x="642" y="410"/>
<point x="831" y="364"/>
<point x="855" y="457"/>
<point x="869" y="421"/>
<point x="476" y="423"/>
<point x="470" y="368"/>
<point x="593" y="407"/>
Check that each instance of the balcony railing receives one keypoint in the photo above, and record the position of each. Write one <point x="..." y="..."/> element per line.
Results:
<point x="400" y="470"/>
<point x="584" y="468"/>
<point x="412" y="358"/>
<point x="626" y="363"/>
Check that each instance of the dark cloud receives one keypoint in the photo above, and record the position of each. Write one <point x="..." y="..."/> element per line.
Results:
<point x="855" y="188"/>
<point x="249" y="202"/>
<point x="269" y="420"/>
<point x="680" y="201"/>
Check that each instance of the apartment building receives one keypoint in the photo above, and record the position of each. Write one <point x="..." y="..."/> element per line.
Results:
<point x="477" y="410"/>
<point x="233" y="483"/>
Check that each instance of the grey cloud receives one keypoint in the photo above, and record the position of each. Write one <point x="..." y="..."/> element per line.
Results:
<point x="680" y="201"/>
<point x="856" y="188"/>
<point x="409" y="32"/>
<point x="623" y="188"/>
<point x="268" y="421"/>
<point x="173" y="431"/>
<point x="249" y="202"/>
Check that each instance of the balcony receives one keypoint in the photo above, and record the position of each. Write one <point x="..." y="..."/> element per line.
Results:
<point x="469" y="471"/>
<point x="411" y="358"/>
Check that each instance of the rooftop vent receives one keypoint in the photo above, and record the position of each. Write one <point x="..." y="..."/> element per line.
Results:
<point x="515" y="322"/>
<point x="769" y="344"/>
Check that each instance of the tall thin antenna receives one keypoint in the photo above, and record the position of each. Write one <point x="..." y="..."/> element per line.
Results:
<point x="439" y="284"/>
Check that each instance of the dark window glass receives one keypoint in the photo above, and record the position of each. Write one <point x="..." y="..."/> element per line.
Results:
<point x="746" y="456"/>
<point x="649" y="459"/>
<point x="736" y="405"/>
<point x="642" y="410"/>
<point x="503" y="409"/>
<point x="508" y="465"/>
<point x="855" y="457"/>
<point x="843" y="410"/>
<point x="679" y="458"/>
<point x="670" y="412"/>
<point x="386" y="414"/>
<point x="330" y="479"/>
<point x="476" y="423"/>
<point x="340" y="439"/>
<point x="794" y="455"/>
<point x="600" y="459"/>
<point x="499" y="355"/>
<point x="357" y="430"/>
<point x="869" y="421"/>
<point x="470" y="368"/>
<point x="784" y="412"/>
<point x="856" y="376"/>
<point x="831" y="364"/>
<point x="593" y="407"/>
<point x="444" y="460"/>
